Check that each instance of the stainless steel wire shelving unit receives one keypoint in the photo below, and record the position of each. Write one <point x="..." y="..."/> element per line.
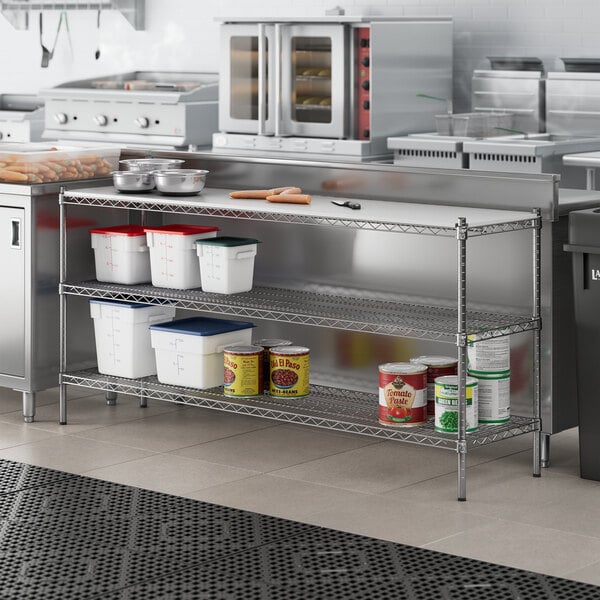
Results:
<point x="327" y="306"/>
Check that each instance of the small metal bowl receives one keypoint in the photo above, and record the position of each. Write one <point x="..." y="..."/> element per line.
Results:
<point x="131" y="182"/>
<point x="180" y="182"/>
<point x="148" y="165"/>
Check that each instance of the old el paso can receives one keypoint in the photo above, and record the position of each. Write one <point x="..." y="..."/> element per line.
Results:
<point x="289" y="371"/>
<point x="242" y="371"/>
<point x="267" y="344"/>
<point x="402" y="394"/>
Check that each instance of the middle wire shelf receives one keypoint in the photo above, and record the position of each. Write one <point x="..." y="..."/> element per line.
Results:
<point x="331" y="408"/>
<point x="323" y="306"/>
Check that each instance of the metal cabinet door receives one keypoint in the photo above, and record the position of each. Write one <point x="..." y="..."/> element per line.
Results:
<point x="12" y="291"/>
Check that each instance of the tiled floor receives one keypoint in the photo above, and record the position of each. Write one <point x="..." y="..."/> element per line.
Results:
<point x="388" y="490"/>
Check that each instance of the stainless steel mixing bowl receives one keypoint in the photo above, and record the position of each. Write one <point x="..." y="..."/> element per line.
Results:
<point x="180" y="182"/>
<point x="148" y="165"/>
<point x="131" y="181"/>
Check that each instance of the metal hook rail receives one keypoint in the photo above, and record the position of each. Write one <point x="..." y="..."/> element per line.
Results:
<point x="17" y="12"/>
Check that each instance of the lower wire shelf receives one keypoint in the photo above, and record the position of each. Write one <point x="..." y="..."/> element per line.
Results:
<point x="330" y="408"/>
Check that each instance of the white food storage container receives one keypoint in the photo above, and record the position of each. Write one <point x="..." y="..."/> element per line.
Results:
<point x="189" y="352"/>
<point x="123" y="345"/>
<point x="226" y="264"/>
<point x="173" y="260"/>
<point x="121" y="254"/>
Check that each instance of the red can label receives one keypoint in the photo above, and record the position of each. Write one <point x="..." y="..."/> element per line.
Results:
<point x="402" y="398"/>
<point x="432" y="373"/>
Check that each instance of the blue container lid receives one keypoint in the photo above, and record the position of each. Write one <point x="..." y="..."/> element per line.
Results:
<point x="119" y="303"/>
<point x="202" y="326"/>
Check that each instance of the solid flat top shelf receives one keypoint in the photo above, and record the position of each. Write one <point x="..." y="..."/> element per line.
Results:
<point x="380" y="215"/>
<point x="323" y="306"/>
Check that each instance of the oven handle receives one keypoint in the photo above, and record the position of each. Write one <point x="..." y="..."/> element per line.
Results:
<point x="277" y="82"/>
<point x="261" y="79"/>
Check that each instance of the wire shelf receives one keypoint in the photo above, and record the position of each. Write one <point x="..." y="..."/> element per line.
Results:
<point x="323" y="306"/>
<point x="330" y="408"/>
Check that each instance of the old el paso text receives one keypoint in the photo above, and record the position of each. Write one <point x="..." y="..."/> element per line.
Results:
<point x="230" y="363"/>
<point x="284" y="362"/>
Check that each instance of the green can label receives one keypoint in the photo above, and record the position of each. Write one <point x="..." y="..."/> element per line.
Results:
<point x="446" y="404"/>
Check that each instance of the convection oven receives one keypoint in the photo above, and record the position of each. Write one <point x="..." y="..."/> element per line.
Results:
<point x="333" y="85"/>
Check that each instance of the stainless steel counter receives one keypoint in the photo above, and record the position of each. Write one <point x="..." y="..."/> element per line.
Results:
<point x="29" y="269"/>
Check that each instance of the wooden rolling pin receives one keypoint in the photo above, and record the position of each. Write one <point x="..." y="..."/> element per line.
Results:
<point x="290" y="198"/>
<point x="263" y="194"/>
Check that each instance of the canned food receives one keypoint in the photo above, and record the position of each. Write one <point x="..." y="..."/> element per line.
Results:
<point x="493" y="398"/>
<point x="242" y="372"/>
<point x="489" y="356"/>
<point x="267" y="344"/>
<point x="402" y="394"/>
<point x="446" y="404"/>
<point x="437" y="366"/>
<point x="289" y="371"/>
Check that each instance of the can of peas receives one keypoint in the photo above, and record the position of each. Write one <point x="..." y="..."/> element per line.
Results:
<point x="446" y="404"/>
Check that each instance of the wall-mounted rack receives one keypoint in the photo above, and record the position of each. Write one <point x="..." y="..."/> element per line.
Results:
<point x="17" y="12"/>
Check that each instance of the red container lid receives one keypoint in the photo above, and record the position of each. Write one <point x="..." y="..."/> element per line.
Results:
<point x="181" y="229"/>
<point x="129" y="230"/>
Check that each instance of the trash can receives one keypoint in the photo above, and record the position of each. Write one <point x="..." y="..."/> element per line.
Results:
<point x="584" y="243"/>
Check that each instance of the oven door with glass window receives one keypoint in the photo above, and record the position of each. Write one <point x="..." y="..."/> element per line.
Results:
<point x="315" y="81"/>
<point x="246" y="98"/>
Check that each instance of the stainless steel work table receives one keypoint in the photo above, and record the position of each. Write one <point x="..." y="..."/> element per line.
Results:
<point x="338" y="308"/>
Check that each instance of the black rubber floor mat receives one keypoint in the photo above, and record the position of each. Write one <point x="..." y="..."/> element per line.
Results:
<point x="67" y="537"/>
<point x="330" y="565"/>
<point x="16" y="476"/>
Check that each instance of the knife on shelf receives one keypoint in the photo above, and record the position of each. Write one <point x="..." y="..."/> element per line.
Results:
<point x="347" y="204"/>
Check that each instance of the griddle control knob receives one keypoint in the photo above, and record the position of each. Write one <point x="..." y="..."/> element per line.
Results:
<point x="142" y="122"/>
<point x="101" y="120"/>
<point x="61" y="118"/>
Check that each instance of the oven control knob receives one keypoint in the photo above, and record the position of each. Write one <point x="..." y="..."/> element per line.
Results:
<point x="366" y="61"/>
<point x="61" y="118"/>
<point x="365" y="84"/>
<point x="142" y="122"/>
<point x="101" y="120"/>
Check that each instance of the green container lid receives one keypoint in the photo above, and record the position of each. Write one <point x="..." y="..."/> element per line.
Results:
<point x="228" y="241"/>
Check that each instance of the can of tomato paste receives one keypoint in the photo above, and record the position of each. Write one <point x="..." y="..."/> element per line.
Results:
<point x="242" y="373"/>
<point x="267" y="344"/>
<point x="437" y="366"/>
<point x="446" y="404"/>
<point x="402" y="394"/>
<point x="289" y="371"/>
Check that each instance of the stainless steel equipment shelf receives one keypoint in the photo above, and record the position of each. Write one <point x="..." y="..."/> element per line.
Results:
<point x="396" y="217"/>
<point x="331" y="408"/>
<point x="324" y="306"/>
<point x="341" y="308"/>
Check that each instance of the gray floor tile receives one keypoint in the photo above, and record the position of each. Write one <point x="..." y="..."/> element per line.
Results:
<point x="178" y="429"/>
<point x="71" y="454"/>
<point x="277" y="496"/>
<point x="169" y="474"/>
<point x="274" y="447"/>
<point x="528" y="547"/>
